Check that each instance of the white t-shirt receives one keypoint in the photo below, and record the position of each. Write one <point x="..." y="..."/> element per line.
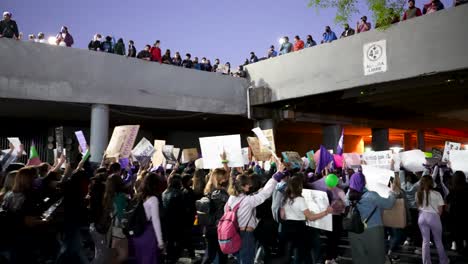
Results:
<point x="152" y="213"/>
<point x="295" y="210"/>
<point x="435" y="200"/>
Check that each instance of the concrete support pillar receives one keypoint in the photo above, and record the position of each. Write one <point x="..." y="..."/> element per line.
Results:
<point x="265" y="124"/>
<point x="99" y="131"/>
<point x="407" y="141"/>
<point x="380" y="139"/>
<point x="331" y="135"/>
<point x="420" y="140"/>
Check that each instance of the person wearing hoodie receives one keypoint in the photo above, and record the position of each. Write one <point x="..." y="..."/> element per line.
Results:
<point x="119" y="48"/>
<point x="95" y="43"/>
<point x="107" y="45"/>
<point x="310" y="42"/>
<point x="369" y="246"/>
<point x="156" y="52"/>
<point x="131" y="49"/>
<point x="64" y="38"/>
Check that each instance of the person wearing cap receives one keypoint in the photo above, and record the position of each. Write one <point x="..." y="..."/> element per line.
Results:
<point x="64" y="38"/>
<point x="348" y="31"/>
<point x="368" y="247"/>
<point x="156" y="52"/>
<point x="310" y="42"/>
<point x="253" y="57"/>
<point x="363" y="25"/>
<point x="41" y="38"/>
<point x="328" y="35"/>
<point x="8" y="27"/>
<point x="272" y="52"/>
<point x="298" y="43"/>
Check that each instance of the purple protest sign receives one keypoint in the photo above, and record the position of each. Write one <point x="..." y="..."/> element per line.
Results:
<point x="82" y="141"/>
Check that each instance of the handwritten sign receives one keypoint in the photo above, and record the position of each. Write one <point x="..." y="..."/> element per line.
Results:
<point x="293" y="158"/>
<point x="168" y="153"/>
<point x="260" y="154"/>
<point x="381" y="159"/>
<point x="449" y="146"/>
<point x="158" y="157"/>
<point x="213" y="147"/>
<point x="143" y="152"/>
<point x="122" y="141"/>
<point x="81" y="141"/>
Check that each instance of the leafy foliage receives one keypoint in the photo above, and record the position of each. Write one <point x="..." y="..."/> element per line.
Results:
<point x="383" y="11"/>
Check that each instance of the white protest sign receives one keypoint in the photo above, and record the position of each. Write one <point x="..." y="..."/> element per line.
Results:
<point x="380" y="159"/>
<point x="459" y="160"/>
<point x="317" y="202"/>
<point x="449" y="146"/>
<point x="81" y="141"/>
<point x="375" y="57"/>
<point x="245" y="155"/>
<point x="413" y="160"/>
<point x="261" y="137"/>
<point x="377" y="179"/>
<point x="199" y="163"/>
<point x="352" y="159"/>
<point x="143" y="151"/>
<point x="16" y="143"/>
<point x="168" y="153"/>
<point x="213" y="147"/>
<point x="176" y="152"/>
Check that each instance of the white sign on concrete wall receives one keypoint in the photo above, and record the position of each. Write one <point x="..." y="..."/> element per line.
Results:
<point x="375" y="57"/>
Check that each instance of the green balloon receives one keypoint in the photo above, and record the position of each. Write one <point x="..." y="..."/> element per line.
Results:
<point x="331" y="180"/>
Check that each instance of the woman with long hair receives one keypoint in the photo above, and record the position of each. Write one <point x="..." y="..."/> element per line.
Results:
<point x="431" y="206"/>
<point x="295" y="213"/>
<point x="115" y="203"/>
<point x="147" y="246"/>
<point x="458" y="215"/>
<point x="199" y="183"/>
<point x="216" y="191"/>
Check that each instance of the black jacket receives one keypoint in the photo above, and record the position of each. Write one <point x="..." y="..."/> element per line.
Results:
<point x="131" y="51"/>
<point x="9" y="29"/>
<point x="94" y="45"/>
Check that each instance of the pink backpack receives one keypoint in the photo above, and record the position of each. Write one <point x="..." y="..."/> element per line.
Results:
<point x="229" y="238"/>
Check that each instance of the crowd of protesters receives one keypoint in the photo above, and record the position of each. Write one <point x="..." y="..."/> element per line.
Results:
<point x="51" y="213"/>
<point x="9" y="29"/>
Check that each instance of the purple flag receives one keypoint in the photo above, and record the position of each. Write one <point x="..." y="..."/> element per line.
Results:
<point x="324" y="159"/>
<point x="339" y="148"/>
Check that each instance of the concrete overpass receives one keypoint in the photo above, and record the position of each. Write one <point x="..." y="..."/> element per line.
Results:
<point x="425" y="85"/>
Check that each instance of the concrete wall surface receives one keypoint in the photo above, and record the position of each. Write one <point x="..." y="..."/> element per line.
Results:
<point x="428" y="44"/>
<point x="43" y="72"/>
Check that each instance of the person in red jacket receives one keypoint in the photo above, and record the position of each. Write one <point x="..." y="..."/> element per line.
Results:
<point x="298" y="44"/>
<point x="156" y="52"/>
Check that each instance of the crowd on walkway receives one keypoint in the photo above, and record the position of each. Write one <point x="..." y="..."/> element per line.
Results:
<point x="148" y="214"/>
<point x="108" y="44"/>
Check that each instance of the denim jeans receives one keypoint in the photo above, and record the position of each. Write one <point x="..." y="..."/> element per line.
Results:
<point x="246" y="254"/>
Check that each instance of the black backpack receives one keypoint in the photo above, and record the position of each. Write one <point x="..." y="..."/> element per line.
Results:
<point x="134" y="220"/>
<point x="352" y="222"/>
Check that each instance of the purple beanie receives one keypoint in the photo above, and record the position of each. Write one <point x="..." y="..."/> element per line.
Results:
<point x="357" y="181"/>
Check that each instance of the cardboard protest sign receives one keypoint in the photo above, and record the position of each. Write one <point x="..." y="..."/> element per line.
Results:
<point x="381" y="159"/>
<point x="449" y="146"/>
<point x="122" y="141"/>
<point x="213" y="147"/>
<point x="266" y="139"/>
<point x="352" y="160"/>
<point x="317" y="202"/>
<point x="245" y="156"/>
<point x="81" y="141"/>
<point x="16" y="144"/>
<point x="168" y="153"/>
<point x="59" y="140"/>
<point x="459" y="160"/>
<point x="377" y="179"/>
<point x="143" y="152"/>
<point x="293" y="158"/>
<point x="260" y="154"/>
<point x="413" y="160"/>
<point x="189" y="155"/>
<point x="158" y="157"/>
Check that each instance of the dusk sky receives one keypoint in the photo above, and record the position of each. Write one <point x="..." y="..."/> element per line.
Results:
<point x="228" y="30"/>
